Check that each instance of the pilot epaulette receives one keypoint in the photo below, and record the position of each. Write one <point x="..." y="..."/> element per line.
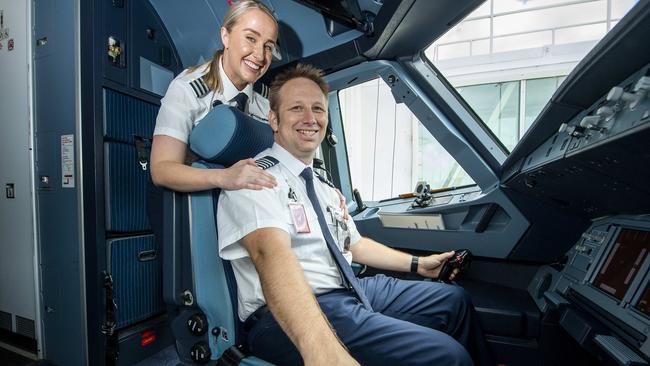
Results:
<point x="199" y="87"/>
<point x="324" y="180"/>
<point x="266" y="162"/>
<point x="262" y="89"/>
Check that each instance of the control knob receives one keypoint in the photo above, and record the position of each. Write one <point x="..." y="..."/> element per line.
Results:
<point x="641" y="90"/>
<point x="575" y="131"/>
<point x="606" y="112"/>
<point x="200" y="352"/>
<point x="619" y="94"/>
<point x="590" y="121"/>
<point x="197" y="324"/>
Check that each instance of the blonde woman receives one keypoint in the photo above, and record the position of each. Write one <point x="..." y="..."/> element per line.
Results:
<point x="249" y="34"/>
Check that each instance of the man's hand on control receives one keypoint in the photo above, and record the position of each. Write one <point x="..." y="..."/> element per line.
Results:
<point x="430" y="266"/>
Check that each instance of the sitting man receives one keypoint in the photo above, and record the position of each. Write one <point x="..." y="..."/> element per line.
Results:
<point x="291" y="249"/>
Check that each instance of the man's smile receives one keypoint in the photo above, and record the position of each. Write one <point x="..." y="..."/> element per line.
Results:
<point x="308" y="133"/>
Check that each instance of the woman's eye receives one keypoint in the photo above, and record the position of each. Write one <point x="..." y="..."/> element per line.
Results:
<point x="250" y="39"/>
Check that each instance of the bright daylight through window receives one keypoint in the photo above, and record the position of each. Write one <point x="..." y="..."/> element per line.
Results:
<point x="388" y="148"/>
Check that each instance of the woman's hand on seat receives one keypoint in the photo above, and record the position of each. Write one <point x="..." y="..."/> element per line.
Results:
<point x="245" y="174"/>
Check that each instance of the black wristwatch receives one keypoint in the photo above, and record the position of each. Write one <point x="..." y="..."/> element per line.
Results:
<point x="414" y="264"/>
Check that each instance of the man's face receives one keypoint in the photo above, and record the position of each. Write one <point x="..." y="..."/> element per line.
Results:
<point x="301" y="121"/>
<point x="248" y="47"/>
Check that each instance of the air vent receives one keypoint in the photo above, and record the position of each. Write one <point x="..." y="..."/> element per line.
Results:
<point x="5" y="320"/>
<point x="25" y="327"/>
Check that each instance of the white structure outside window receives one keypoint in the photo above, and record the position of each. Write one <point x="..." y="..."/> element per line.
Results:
<point x="508" y="57"/>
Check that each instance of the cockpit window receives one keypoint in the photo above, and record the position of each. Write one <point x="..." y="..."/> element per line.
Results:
<point x="389" y="150"/>
<point x="507" y="57"/>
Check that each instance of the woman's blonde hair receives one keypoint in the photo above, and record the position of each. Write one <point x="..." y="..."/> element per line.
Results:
<point x="237" y="9"/>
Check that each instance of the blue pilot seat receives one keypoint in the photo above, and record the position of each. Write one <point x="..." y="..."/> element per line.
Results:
<point x="197" y="284"/>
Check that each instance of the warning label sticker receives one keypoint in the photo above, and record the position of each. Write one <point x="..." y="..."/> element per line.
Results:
<point x="67" y="161"/>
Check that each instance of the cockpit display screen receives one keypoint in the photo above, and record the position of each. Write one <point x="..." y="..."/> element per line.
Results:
<point x="623" y="263"/>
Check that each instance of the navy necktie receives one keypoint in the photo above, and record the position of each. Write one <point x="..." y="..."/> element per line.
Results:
<point x="344" y="267"/>
<point x="240" y="101"/>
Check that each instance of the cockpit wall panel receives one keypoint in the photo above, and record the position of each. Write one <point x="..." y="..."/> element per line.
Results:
<point x="139" y="53"/>
<point x="487" y="224"/>
<point x="195" y="29"/>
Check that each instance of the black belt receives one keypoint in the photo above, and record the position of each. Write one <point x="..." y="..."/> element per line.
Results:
<point x="252" y="319"/>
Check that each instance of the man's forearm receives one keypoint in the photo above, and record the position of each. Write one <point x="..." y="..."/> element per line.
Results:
<point x="374" y="254"/>
<point x="289" y="297"/>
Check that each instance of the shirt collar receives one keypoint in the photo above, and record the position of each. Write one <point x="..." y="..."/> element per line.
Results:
<point x="294" y="165"/>
<point x="229" y="89"/>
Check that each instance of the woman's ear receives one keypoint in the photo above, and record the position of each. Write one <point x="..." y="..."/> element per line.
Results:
<point x="225" y="37"/>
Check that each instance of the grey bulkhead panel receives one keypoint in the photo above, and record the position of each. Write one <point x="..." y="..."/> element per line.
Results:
<point x="463" y="211"/>
<point x="59" y="217"/>
<point x="19" y="307"/>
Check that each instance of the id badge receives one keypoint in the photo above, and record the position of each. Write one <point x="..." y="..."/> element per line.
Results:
<point x="299" y="217"/>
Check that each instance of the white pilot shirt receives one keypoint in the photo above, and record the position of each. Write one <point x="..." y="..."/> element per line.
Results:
<point x="244" y="211"/>
<point x="188" y="100"/>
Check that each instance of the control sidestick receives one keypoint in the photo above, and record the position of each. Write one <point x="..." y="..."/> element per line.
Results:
<point x="460" y="260"/>
<point x="358" y="200"/>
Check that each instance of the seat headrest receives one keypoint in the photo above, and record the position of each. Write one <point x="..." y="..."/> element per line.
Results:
<point x="226" y="135"/>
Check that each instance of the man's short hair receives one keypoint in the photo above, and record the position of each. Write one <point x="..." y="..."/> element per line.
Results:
<point x="299" y="71"/>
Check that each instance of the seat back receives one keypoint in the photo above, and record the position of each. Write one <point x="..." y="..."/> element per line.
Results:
<point x="198" y="284"/>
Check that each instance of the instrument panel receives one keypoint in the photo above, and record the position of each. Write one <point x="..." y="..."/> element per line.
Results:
<point x="601" y="294"/>
<point x="592" y="166"/>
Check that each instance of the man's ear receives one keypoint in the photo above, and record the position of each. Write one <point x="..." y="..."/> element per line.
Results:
<point x="225" y="37"/>
<point x="273" y="121"/>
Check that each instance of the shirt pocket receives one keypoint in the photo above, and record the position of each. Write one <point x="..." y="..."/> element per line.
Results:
<point x="337" y="227"/>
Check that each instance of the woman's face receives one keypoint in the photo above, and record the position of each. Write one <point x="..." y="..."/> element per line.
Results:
<point x="248" y="47"/>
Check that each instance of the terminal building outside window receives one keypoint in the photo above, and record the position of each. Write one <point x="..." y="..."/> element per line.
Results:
<point x="506" y="59"/>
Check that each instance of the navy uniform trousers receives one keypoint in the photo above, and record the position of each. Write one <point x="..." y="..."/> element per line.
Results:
<point x="412" y="323"/>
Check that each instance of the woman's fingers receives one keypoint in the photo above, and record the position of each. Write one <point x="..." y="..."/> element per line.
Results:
<point x="246" y="174"/>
